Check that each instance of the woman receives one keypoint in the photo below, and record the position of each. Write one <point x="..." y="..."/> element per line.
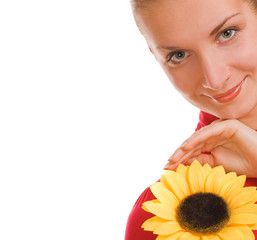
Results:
<point x="208" y="50"/>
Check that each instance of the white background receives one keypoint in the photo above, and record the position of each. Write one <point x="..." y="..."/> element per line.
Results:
<point x="87" y="119"/>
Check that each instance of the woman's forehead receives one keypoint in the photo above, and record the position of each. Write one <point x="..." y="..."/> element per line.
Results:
<point x="186" y="16"/>
<point x="187" y="10"/>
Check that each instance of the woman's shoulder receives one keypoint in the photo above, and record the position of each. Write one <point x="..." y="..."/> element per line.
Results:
<point x="137" y="217"/>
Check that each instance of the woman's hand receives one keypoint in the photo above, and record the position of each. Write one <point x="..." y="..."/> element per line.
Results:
<point x="229" y="143"/>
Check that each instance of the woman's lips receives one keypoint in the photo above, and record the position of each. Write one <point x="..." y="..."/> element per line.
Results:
<point x="230" y="94"/>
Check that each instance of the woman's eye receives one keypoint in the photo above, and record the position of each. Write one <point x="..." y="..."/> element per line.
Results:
<point x="226" y="35"/>
<point x="177" y="57"/>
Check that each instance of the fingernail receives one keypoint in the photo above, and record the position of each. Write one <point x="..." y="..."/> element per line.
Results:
<point x="167" y="166"/>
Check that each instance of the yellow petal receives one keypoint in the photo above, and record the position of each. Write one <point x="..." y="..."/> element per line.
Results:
<point x="250" y="188"/>
<point x="248" y="233"/>
<point x="174" y="236"/>
<point x="145" y="203"/>
<point x="206" y="169"/>
<point x="160" y="237"/>
<point x="243" y="218"/>
<point x="231" y="186"/>
<point x="253" y="226"/>
<point x="240" y="213"/>
<point x="210" y="237"/>
<point x="161" y="210"/>
<point x="163" y="194"/>
<point x="220" y="169"/>
<point x="189" y="236"/>
<point x="244" y="197"/>
<point x="167" y="228"/>
<point x="210" y="177"/>
<point x="183" y="170"/>
<point x="163" y="180"/>
<point x="249" y="208"/>
<point x="229" y="233"/>
<point x="145" y="209"/>
<point x="151" y="223"/>
<point x="196" y="177"/>
<point x="228" y="177"/>
<point x="177" y="184"/>
<point x="213" y="182"/>
<point x="234" y="194"/>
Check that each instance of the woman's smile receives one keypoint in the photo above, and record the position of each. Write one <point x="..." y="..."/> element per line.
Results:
<point x="208" y="50"/>
<point x="229" y="95"/>
<point x="210" y="58"/>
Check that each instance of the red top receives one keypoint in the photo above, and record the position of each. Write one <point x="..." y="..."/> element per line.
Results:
<point x="138" y="215"/>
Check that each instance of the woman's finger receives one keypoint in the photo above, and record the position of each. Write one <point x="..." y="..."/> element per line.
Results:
<point x="216" y="131"/>
<point x="184" y="158"/>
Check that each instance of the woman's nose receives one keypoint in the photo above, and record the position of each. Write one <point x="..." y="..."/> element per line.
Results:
<point x="214" y="73"/>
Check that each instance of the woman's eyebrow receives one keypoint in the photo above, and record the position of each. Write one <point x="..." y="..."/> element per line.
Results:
<point x="168" y="48"/>
<point x="216" y="29"/>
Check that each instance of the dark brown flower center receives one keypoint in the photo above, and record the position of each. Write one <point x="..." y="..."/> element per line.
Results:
<point x="203" y="213"/>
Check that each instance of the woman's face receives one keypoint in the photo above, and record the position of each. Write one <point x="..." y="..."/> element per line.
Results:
<point x="208" y="49"/>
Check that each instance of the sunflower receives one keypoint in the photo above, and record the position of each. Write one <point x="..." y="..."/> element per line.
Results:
<point x="199" y="203"/>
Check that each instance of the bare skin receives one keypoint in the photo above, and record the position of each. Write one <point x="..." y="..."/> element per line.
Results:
<point x="229" y="143"/>
<point x="211" y="59"/>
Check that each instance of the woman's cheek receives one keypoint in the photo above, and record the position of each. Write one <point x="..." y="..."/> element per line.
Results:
<point x="184" y="80"/>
